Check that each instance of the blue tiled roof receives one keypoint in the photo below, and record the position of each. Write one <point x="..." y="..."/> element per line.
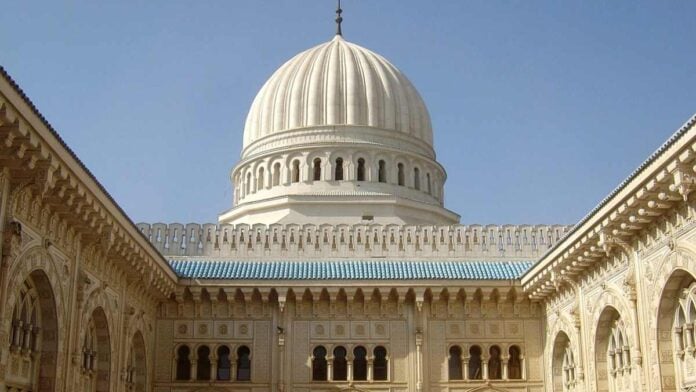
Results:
<point x="349" y="270"/>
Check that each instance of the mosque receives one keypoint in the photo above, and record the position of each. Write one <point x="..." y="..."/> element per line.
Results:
<point x="338" y="267"/>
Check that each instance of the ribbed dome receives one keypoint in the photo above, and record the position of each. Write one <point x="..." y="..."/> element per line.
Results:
<point x="338" y="83"/>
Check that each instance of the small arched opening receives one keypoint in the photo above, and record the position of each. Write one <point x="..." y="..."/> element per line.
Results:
<point x="338" y="170"/>
<point x="295" y="172"/>
<point x="224" y="365"/>
<point x="380" y="370"/>
<point x="382" y="171"/>
<point x="340" y="364"/>
<point x="359" y="363"/>
<point x="360" y="175"/>
<point x="316" y="169"/>
<point x="475" y="363"/>
<point x="455" y="363"/>
<point x="183" y="363"/>
<point x="243" y="364"/>
<point x="319" y="365"/>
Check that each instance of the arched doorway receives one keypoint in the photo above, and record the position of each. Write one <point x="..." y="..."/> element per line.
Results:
<point x="671" y="336"/>
<point x="33" y="336"/>
<point x="563" y="364"/>
<point x="136" y="379"/>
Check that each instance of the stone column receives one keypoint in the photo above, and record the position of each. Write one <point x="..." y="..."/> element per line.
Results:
<point x="329" y="367"/>
<point x="505" y="359"/>
<point x="194" y="375"/>
<point x="419" y="359"/>
<point x="465" y="365"/>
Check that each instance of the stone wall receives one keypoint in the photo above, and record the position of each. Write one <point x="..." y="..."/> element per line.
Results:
<point x="353" y="241"/>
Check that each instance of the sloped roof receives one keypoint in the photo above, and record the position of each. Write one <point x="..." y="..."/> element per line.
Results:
<point x="349" y="270"/>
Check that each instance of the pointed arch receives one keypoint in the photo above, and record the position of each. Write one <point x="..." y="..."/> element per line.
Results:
<point x="136" y="372"/>
<point x="34" y="329"/>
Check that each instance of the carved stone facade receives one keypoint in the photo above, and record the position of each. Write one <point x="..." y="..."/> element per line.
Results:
<point x="91" y="302"/>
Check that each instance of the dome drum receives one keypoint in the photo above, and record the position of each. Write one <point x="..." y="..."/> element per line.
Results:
<point x="339" y="170"/>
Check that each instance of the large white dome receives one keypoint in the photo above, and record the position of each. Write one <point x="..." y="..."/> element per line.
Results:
<point x="339" y="83"/>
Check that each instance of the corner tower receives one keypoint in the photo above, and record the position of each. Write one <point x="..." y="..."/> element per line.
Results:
<point x="338" y="135"/>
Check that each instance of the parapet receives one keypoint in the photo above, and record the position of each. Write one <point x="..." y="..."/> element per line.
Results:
<point x="360" y="241"/>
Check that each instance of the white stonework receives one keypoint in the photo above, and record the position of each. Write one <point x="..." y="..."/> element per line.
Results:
<point x="338" y="135"/>
<point x="90" y="302"/>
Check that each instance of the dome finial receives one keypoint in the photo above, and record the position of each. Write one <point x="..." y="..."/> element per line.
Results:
<point x="339" y="19"/>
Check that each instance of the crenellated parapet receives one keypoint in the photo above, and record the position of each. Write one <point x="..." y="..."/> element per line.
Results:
<point x="353" y="241"/>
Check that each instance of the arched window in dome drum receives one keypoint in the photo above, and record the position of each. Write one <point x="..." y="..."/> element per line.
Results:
<point x="243" y="364"/>
<point x="260" y="179"/>
<point x="380" y="365"/>
<point x="295" y="171"/>
<point x="359" y="363"/>
<point x="382" y="171"/>
<point x="319" y="368"/>
<point x="338" y="171"/>
<point x="429" y="185"/>
<point x="317" y="169"/>
<point x="276" y="174"/>
<point x="416" y="178"/>
<point x="361" y="170"/>
<point x="247" y="186"/>
<point x="400" y="174"/>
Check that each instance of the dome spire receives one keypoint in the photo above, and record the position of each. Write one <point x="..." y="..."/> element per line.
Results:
<point x="339" y="19"/>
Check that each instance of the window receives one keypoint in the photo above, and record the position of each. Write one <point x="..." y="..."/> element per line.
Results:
<point x="495" y="368"/>
<point x="338" y="171"/>
<point x="319" y="372"/>
<point x="203" y="368"/>
<point x="243" y="364"/>
<point x="475" y="363"/>
<point x="400" y="174"/>
<point x="183" y="363"/>
<point x="380" y="364"/>
<point x="317" y="170"/>
<point x="295" y="171"/>
<point x="260" y="180"/>
<point x="416" y="178"/>
<point x="361" y="170"/>
<point x="515" y="363"/>
<point x="276" y="174"/>
<point x="340" y="364"/>
<point x="359" y="363"/>
<point x="382" y="172"/>
<point x="455" y="363"/>
<point x="248" y="184"/>
<point x="429" y="185"/>
<point x="224" y="364"/>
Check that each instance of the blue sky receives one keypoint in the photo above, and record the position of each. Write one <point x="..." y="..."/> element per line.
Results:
<point x="540" y="108"/>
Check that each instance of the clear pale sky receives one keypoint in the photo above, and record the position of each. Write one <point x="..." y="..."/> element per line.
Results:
<point x="540" y="108"/>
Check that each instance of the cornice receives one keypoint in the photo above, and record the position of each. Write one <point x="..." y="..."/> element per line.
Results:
<point x="663" y="182"/>
<point x="32" y="149"/>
